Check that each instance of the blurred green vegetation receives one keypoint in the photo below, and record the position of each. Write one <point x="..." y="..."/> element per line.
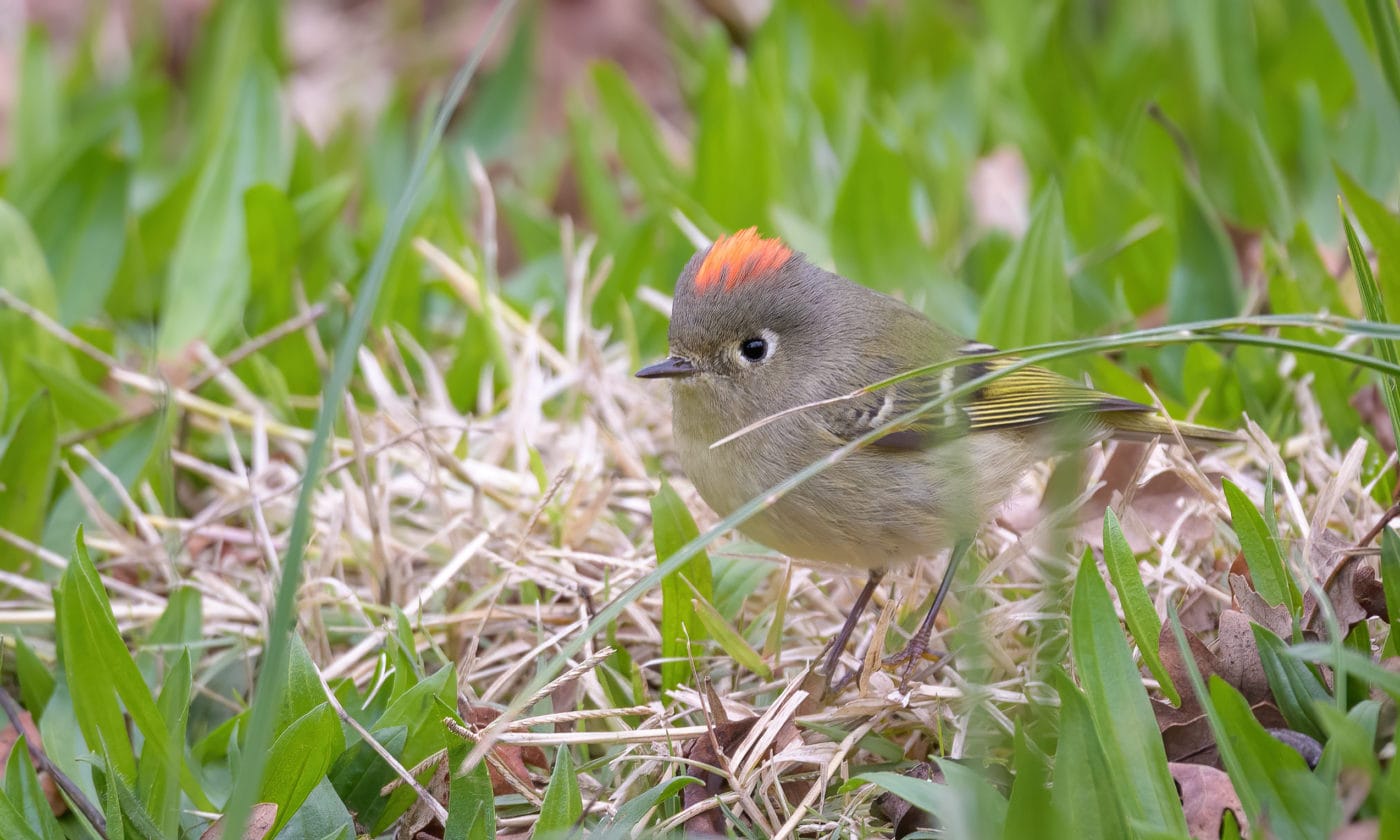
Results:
<point x="1165" y="146"/>
<point x="1183" y="162"/>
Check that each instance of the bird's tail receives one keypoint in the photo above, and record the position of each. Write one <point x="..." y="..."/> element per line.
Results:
<point x="1142" y="426"/>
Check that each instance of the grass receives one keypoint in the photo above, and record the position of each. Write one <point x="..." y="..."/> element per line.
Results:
<point x="324" y="482"/>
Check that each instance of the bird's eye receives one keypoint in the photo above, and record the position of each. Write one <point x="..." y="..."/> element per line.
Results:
<point x="754" y="349"/>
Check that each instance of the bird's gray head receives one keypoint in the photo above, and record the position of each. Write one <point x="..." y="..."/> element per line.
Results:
<point x="749" y="315"/>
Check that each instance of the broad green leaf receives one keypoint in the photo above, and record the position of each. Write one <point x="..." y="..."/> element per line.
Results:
<point x="96" y="658"/>
<point x="82" y="227"/>
<point x="207" y="285"/>
<point x="1029" y="803"/>
<point x="735" y="169"/>
<point x="421" y="709"/>
<point x="471" y="812"/>
<point x="359" y="773"/>
<point x="159" y="779"/>
<point x="1029" y="300"/>
<point x="503" y="100"/>
<point x="26" y="794"/>
<point x="1385" y="27"/>
<point x="37" y="121"/>
<point x="28" y="464"/>
<point x="1355" y="664"/>
<point x="563" y="803"/>
<point x="597" y="190"/>
<point x="874" y="237"/>
<point x="1296" y="689"/>
<point x="1205" y="282"/>
<point x="966" y="805"/>
<point x="13" y="823"/>
<point x="304" y="692"/>
<point x="299" y="759"/>
<point x="1263" y="556"/>
<point x="638" y="142"/>
<point x="1390" y="579"/>
<point x="78" y="404"/>
<point x="1084" y="795"/>
<point x="272" y="237"/>
<point x="1282" y="792"/>
<point x="1138" y="611"/>
<point x="322" y="816"/>
<point x="730" y="639"/>
<point x="36" y="683"/>
<point x="1349" y="742"/>
<point x="138" y="821"/>
<point x="673" y="527"/>
<point x="1119" y="707"/>
<point x="25" y="274"/>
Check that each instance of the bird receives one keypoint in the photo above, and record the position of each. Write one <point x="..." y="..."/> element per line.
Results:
<point x="771" y="362"/>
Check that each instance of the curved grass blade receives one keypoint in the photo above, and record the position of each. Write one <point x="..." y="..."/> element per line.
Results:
<point x="281" y="624"/>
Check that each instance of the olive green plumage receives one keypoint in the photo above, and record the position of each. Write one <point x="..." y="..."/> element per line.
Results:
<point x="756" y="330"/>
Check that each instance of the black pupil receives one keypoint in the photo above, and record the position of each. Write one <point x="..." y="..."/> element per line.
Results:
<point x="754" y="349"/>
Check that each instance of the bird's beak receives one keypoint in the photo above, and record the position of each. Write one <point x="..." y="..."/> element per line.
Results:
<point x="673" y="367"/>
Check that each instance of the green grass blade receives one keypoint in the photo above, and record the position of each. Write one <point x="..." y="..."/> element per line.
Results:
<point x="1119" y="706"/>
<point x="1264" y="557"/>
<point x="1138" y="612"/>
<point x="563" y="802"/>
<point x="1296" y="689"/>
<point x="28" y="464"/>
<point x="472" y="806"/>
<point x="1084" y="796"/>
<point x="1385" y="26"/>
<point x="672" y="528"/>
<point x="272" y="677"/>
<point x="1374" y="305"/>
<point x="1390" y="580"/>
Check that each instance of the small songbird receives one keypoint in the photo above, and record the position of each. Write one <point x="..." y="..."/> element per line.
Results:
<point x="757" y="330"/>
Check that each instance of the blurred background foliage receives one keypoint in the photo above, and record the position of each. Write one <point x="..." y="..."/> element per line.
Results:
<point x="1167" y="161"/>
<point x="1024" y="172"/>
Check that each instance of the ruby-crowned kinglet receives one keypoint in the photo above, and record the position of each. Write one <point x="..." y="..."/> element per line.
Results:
<point x="757" y="330"/>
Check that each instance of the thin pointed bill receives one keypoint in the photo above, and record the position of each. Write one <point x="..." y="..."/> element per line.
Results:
<point x="673" y="367"/>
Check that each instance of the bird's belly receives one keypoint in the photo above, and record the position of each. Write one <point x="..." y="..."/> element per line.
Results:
<point x="857" y="514"/>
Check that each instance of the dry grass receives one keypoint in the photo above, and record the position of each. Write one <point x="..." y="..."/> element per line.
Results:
<point x="448" y="516"/>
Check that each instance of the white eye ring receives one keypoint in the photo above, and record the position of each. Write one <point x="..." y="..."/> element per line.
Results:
<point x="759" y="348"/>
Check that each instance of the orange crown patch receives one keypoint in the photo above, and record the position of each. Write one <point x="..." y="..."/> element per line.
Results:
<point x="738" y="258"/>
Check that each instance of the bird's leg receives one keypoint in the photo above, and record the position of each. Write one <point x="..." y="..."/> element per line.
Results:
<point x="918" y="643"/>
<point x="837" y="645"/>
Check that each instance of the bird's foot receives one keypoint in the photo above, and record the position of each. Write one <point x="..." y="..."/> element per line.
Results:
<point x="913" y="653"/>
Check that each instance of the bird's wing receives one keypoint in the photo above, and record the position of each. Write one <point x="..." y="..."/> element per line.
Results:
<point x="1028" y="396"/>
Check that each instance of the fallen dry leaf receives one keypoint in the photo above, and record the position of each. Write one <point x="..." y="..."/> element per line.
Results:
<point x="1238" y="657"/>
<point x="714" y="749"/>
<point x="260" y="822"/>
<point x="9" y="736"/>
<point x="1274" y="618"/>
<point x="1154" y="503"/>
<point x="1206" y="794"/>
<point x="512" y="758"/>
<point x="1186" y="733"/>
